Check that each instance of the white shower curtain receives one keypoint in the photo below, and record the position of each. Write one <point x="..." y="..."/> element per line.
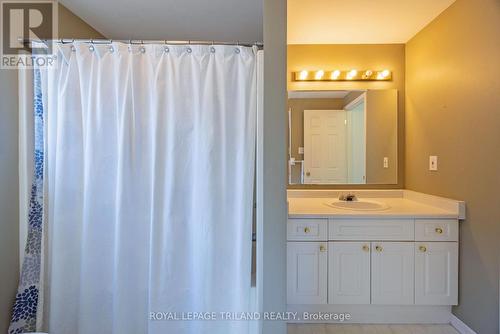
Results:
<point x="149" y="183"/>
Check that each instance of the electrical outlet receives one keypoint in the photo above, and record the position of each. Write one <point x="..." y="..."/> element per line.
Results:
<point x="386" y="162"/>
<point x="433" y="162"/>
<point x="301" y="150"/>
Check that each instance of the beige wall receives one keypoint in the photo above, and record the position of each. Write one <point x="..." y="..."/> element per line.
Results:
<point x="366" y="56"/>
<point x="9" y="190"/>
<point x="453" y="111"/>
<point x="70" y="26"/>
<point x="381" y="136"/>
<point x="272" y="206"/>
<point x="351" y="96"/>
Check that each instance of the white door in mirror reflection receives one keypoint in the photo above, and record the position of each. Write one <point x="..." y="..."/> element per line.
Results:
<point x="356" y="141"/>
<point x="325" y="156"/>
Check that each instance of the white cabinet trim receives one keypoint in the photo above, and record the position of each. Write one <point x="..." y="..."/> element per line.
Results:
<point x="371" y="229"/>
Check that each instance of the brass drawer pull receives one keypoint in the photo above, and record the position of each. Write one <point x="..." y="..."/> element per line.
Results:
<point x="378" y="248"/>
<point x="439" y="230"/>
<point x="423" y="249"/>
<point x="366" y="248"/>
<point x="322" y="248"/>
<point x="306" y="230"/>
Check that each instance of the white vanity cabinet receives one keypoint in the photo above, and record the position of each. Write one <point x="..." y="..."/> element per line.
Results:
<point x="372" y="261"/>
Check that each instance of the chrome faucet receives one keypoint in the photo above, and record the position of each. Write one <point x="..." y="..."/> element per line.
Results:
<point x="348" y="198"/>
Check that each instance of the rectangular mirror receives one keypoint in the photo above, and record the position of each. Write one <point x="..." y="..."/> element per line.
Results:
<point x="343" y="137"/>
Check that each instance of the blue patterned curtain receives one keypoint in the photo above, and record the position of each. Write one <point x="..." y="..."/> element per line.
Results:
<point x="24" y="312"/>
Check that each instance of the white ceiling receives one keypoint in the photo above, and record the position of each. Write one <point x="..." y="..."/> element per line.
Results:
<point x="359" y="21"/>
<point x="221" y="20"/>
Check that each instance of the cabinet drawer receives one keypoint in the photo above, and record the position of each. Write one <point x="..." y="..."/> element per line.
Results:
<point x="371" y="229"/>
<point x="307" y="229"/>
<point x="436" y="230"/>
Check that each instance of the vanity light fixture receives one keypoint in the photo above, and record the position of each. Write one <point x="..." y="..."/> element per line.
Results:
<point x="338" y="75"/>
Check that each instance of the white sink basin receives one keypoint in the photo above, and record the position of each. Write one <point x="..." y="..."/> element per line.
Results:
<point x="359" y="205"/>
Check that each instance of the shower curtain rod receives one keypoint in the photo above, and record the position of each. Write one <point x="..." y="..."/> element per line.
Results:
<point x="260" y="45"/>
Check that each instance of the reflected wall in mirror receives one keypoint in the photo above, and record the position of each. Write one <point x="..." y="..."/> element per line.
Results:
<point x="343" y="137"/>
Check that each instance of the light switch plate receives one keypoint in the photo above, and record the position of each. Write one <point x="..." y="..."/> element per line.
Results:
<point x="301" y="150"/>
<point x="386" y="162"/>
<point x="433" y="162"/>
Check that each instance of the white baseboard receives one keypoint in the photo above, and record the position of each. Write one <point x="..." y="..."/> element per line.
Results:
<point x="460" y="326"/>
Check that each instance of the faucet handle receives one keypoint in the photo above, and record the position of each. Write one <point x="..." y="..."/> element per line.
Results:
<point x="350" y="197"/>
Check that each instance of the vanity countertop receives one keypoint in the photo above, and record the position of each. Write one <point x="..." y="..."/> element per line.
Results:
<point x="408" y="205"/>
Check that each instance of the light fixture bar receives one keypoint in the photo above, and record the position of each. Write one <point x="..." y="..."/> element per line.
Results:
<point x="346" y="75"/>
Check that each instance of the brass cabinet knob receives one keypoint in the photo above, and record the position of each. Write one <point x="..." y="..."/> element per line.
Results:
<point x="308" y="173"/>
<point x="423" y="249"/>
<point x="306" y="230"/>
<point x="378" y="248"/>
<point x="439" y="230"/>
<point x="366" y="248"/>
<point x="322" y="248"/>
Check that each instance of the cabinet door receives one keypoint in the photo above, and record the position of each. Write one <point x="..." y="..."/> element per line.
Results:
<point x="392" y="273"/>
<point x="306" y="272"/>
<point x="348" y="272"/>
<point x="436" y="273"/>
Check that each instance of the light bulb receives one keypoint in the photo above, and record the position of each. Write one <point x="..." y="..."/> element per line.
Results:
<point x="351" y="74"/>
<point x="303" y="75"/>
<point x="335" y="74"/>
<point x="368" y="73"/>
<point x="319" y="75"/>
<point x="385" y="73"/>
